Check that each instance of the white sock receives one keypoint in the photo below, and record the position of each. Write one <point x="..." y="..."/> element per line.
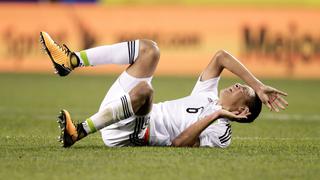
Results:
<point x="115" y="111"/>
<point x="120" y="53"/>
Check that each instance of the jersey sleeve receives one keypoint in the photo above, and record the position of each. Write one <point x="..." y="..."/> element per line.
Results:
<point x="216" y="135"/>
<point x="207" y="86"/>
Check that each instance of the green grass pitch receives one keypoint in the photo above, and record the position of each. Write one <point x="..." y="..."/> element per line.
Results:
<point x="276" y="146"/>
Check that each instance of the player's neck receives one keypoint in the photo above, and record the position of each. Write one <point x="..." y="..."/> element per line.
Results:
<point x="224" y="106"/>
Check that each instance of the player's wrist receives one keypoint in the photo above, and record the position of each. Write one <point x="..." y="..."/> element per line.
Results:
<point x="220" y="114"/>
<point x="258" y="86"/>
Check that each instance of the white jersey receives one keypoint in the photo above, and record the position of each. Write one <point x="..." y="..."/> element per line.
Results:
<point x="170" y="118"/>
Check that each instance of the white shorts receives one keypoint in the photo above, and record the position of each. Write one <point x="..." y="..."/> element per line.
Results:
<point x="127" y="132"/>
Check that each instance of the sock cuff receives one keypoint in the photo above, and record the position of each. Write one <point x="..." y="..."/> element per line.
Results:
<point x="88" y="126"/>
<point x="83" y="57"/>
<point x="127" y="106"/>
<point x="133" y="50"/>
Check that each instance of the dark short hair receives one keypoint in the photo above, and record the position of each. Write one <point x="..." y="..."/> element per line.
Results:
<point x="254" y="105"/>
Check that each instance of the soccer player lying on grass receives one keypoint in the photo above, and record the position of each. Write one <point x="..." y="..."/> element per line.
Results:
<point x="127" y="116"/>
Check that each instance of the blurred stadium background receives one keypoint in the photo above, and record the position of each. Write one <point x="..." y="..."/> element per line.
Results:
<point x="278" y="40"/>
<point x="273" y="38"/>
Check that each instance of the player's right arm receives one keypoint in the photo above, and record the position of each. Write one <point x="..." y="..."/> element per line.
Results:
<point x="223" y="60"/>
<point x="190" y="136"/>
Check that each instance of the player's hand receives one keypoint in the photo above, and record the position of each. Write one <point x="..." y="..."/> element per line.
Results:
<point x="272" y="98"/>
<point x="234" y="115"/>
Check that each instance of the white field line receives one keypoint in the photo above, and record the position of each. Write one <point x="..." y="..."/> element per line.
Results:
<point x="282" y="116"/>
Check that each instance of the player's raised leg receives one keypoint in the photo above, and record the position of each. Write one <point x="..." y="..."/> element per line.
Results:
<point x="142" y="55"/>
<point x="145" y="52"/>
<point x="137" y="102"/>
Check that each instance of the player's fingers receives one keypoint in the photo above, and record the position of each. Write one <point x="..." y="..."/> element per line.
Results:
<point x="242" y="113"/>
<point x="268" y="105"/>
<point x="270" y="100"/>
<point x="241" y="117"/>
<point x="283" y="101"/>
<point x="271" y="106"/>
<point x="274" y="107"/>
<point x="245" y="115"/>
<point x="265" y="99"/>
<point x="279" y="104"/>
<point x="235" y="112"/>
<point x="280" y="92"/>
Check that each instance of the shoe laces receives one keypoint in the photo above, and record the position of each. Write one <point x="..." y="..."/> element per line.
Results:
<point x="64" y="49"/>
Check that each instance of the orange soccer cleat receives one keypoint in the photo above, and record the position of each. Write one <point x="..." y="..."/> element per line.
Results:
<point x="69" y="134"/>
<point x="61" y="57"/>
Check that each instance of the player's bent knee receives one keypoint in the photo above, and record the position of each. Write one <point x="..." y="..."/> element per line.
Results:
<point x="220" y="54"/>
<point x="149" y="49"/>
<point x="141" y="96"/>
<point x="144" y="90"/>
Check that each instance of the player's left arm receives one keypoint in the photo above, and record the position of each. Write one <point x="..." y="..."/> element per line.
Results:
<point x="190" y="136"/>
<point x="270" y="96"/>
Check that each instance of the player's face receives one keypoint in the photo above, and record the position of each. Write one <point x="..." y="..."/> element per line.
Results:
<point x="236" y="96"/>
